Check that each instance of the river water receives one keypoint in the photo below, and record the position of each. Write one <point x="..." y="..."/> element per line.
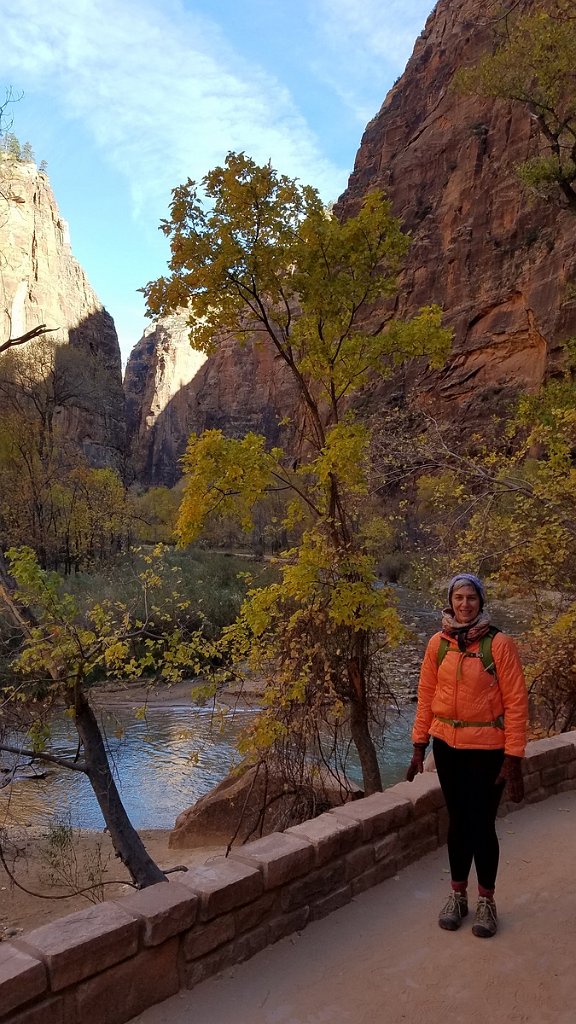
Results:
<point x="165" y="762"/>
<point x="162" y="765"/>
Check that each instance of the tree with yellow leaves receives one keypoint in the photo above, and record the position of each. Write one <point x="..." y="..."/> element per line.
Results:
<point x="257" y="257"/>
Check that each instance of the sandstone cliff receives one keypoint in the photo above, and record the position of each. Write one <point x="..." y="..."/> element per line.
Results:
<point x="42" y="283"/>
<point x="170" y="395"/>
<point x="158" y="372"/>
<point x="502" y="267"/>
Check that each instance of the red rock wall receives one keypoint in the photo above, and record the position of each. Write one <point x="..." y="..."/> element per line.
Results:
<point x="502" y="267"/>
<point x="237" y="390"/>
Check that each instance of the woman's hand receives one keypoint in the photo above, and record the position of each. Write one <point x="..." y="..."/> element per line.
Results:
<point x="416" y="765"/>
<point x="511" y="774"/>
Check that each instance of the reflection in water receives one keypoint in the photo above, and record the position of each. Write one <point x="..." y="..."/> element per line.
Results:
<point x="162" y="765"/>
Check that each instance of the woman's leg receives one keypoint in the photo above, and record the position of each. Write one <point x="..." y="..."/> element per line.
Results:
<point x="485" y="796"/>
<point x="468" y="781"/>
<point x="452" y="776"/>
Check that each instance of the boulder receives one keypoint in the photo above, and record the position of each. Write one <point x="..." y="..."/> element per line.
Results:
<point x="254" y="801"/>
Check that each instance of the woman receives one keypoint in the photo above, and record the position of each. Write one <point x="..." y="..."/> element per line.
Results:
<point x="472" y="700"/>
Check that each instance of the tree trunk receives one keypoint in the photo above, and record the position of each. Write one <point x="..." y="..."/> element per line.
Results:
<point x="360" y="730"/>
<point x="126" y="841"/>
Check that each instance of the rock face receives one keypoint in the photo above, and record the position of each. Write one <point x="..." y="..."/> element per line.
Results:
<point x="158" y="373"/>
<point x="42" y="283"/>
<point x="235" y="390"/>
<point x="502" y="267"/>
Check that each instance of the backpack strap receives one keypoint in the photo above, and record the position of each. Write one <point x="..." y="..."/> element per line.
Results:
<point x="442" y="650"/>
<point x="485" y="650"/>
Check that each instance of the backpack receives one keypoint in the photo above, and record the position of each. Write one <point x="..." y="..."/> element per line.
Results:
<point x="485" y="651"/>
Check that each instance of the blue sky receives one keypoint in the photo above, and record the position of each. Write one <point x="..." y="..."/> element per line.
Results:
<point x="126" y="99"/>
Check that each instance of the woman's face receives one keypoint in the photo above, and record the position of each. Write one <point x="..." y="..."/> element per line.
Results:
<point x="465" y="603"/>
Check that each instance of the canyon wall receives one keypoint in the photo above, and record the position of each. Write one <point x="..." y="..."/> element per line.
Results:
<point x="42" y="283"/>
<point x="500" y="263"/>
<point x="171" y="392"/>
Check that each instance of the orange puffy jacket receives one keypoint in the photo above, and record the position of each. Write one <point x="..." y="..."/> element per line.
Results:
<point x="459" y="701"/>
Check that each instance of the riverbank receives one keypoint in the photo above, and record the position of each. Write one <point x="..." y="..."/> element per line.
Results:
<point x="29" y="853"/>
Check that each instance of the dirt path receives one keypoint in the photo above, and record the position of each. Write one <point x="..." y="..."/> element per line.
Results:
<point x="383" y="959"/>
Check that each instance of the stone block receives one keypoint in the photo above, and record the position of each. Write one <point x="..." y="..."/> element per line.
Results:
<point x="364" y="881"/>
<point x="536" y="795"/>
<point x="287" y="924"/>
<point x="419" y="831"/>
<point x="376" y="814"/>
<point x="424" y="793"/>
<point x="223" y="884"/>
<point x="387" y="846"/>
<point x="567" y="786"/>
<point x="359" y="860"/>
<point x="207" y="966"/>
<point x="553" y="775"/>
<point x="385" y="868"/>
<point x="120" y="993"/>
<point x="22" y="977"/>
<point x="82" y="944"/>
<point x="253" y="914"/>
<point x="417" y="839"/>
<point x="550" y="751"/>
<point x="532" y="781"/>
<point x="327" y="904"/>
<point x="247" y="945"/>
<point x="241" y="948"/>
<point x="60" y="1010"/>
<point x="204" y="938"/>
<point x="163" y="910"/>
<point x="318" y="883"/>
<point x="280" y="857"/>
<point x="330" y="837"/>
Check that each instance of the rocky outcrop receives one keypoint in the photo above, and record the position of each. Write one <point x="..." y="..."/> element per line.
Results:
<point x="502" y="267"/>
<point x="256" y="802"/>
<point x="236" y="390"/>
<point x="42" y="283"/>
<point x="158" y="372"/>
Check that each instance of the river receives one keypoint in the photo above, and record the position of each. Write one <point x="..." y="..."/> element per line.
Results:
<point x="162" y="764"/>
<point x="165" y="762"/>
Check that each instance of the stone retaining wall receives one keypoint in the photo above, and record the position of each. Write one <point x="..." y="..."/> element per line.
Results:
<point x="107" y="963"/>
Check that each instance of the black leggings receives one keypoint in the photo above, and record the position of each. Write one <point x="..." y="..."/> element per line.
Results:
<point x="467" y="778"/>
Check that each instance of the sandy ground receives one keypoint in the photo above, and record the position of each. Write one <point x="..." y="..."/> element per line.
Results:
<point x="27" y="856"/>
<point x="383" y="959"/>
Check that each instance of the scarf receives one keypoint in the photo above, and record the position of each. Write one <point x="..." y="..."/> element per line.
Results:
<point x="468" y="634"/>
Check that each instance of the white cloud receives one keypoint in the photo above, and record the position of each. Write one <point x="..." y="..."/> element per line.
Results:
<point x="160" y="91"/>
<point x="366" y="44"/>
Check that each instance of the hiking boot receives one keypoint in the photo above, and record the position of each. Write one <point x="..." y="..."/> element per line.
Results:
<point x="486" y="919"/>
<point x="453" y="911"/>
